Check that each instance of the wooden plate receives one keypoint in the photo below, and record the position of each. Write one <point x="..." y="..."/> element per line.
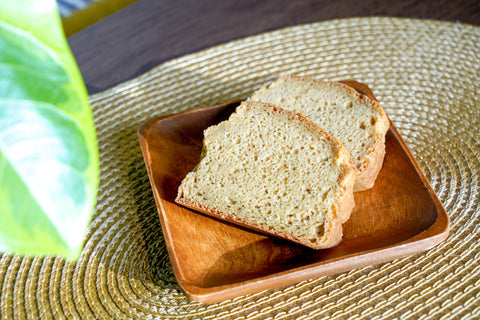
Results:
<point x="214" y="260"/>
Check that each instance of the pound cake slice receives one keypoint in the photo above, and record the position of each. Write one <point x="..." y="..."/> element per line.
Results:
<point x="273" y="171"/>
<point x="357" y="121"/>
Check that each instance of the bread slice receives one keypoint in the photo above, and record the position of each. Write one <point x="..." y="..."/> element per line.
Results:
<point x="274" y="171"/>
<point x="359" y="122"/>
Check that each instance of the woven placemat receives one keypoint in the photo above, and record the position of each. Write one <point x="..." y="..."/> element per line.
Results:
<point x="426" y="75"/>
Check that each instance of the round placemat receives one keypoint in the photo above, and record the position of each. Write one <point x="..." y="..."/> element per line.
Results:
<point x="425" y="74"/>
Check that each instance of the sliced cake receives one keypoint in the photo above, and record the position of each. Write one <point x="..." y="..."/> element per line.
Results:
<point x="357" y="121"/>
<point x="274" y="171"/>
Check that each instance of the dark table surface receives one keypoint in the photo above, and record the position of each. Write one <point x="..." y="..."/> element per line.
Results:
<point x="148" y="32"/>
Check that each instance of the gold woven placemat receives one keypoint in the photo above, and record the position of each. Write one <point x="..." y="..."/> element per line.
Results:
<point x="425" y="73"/>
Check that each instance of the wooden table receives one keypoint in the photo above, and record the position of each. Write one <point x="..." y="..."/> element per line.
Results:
<point x="148" y="32"/>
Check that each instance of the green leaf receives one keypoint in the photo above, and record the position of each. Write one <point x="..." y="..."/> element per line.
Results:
<point x="48" y="147"/>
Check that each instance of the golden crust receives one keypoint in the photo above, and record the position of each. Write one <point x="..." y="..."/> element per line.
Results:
<point x="367" y="175"/>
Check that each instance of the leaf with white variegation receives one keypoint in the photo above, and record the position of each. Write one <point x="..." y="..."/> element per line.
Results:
<point x="48" y="150"/>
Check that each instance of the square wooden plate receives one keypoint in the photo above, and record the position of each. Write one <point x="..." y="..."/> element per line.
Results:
<point x="214" y="260"/>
